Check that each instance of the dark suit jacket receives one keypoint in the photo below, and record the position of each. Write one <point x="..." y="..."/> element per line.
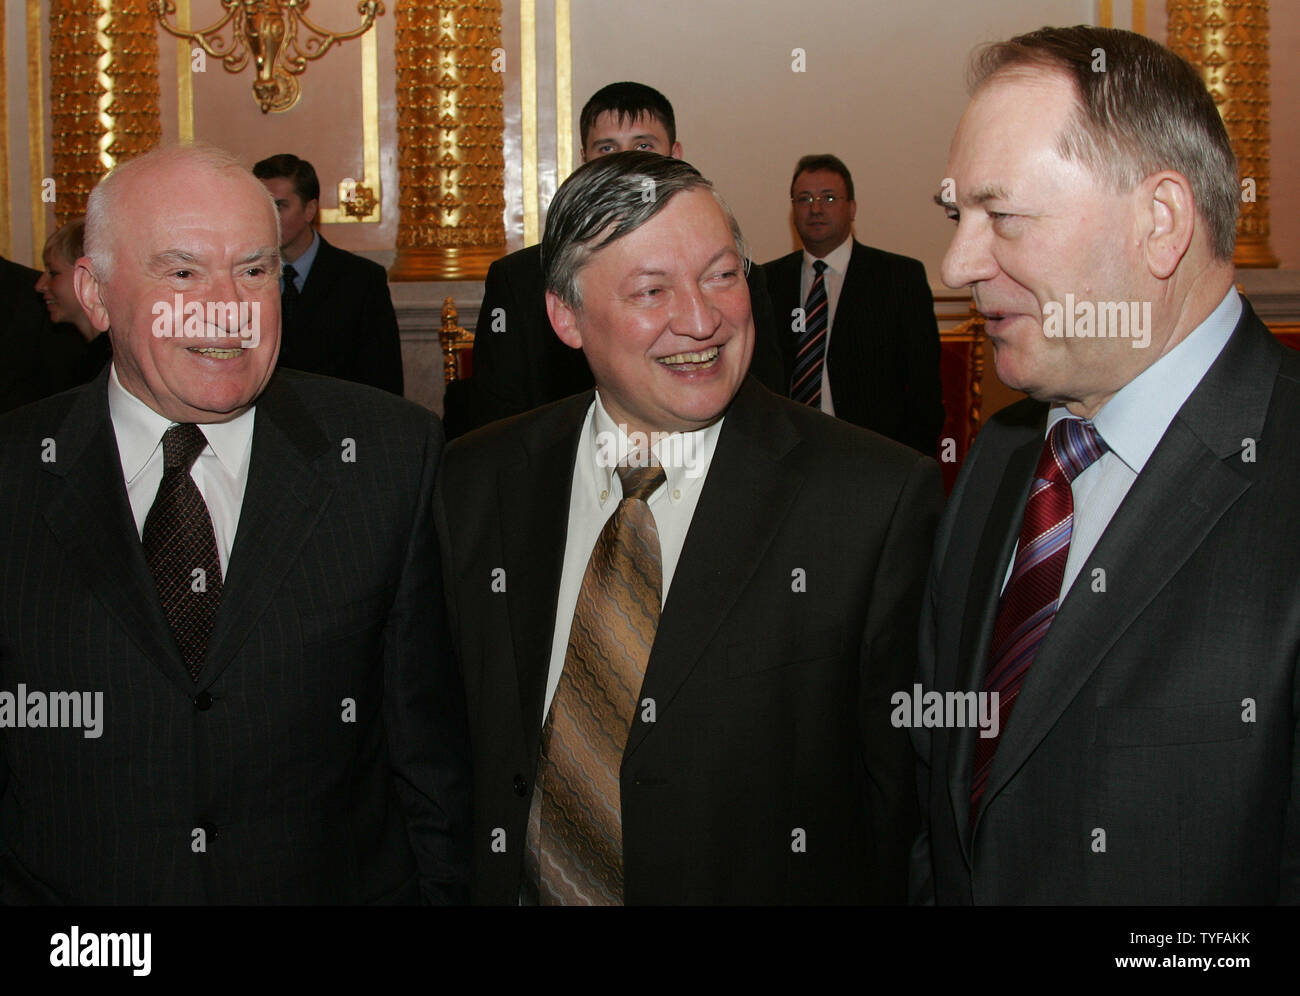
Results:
<point x="332" y="595"/>
<point x="1130" y="721"/>
<point x="884" y="345"/>
<point x="40" y="358"/>
<point x="772" y="702"/>
<point x="522" y="364"/>
<point x="344" y="325"/>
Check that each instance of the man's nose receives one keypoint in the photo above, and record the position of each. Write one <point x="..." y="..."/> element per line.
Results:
<point x="968" y="259"/>
<point x="693" y="315"/>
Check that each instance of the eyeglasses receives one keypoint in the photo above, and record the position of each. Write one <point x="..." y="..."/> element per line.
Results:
<point x="807" y="200"/>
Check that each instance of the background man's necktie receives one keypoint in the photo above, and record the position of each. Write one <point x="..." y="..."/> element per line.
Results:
<point x="181" y="548"/>
<point x="810" y="346"/>
<point x="289" y="296"/>
<point x="574" y="852"/>
<point x="1029" y="602"/>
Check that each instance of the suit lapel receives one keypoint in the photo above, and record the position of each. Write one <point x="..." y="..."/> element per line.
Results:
<point x="320" y="279"/>
<point x="1198" y="461"/>
<point x="534" y="516"/>
<point x="997" y="543"/>
<point x="91" y="516"/>
<point x="785" y="292"/>
<point x="282" y="503"/>
<point x="744" y="503"/>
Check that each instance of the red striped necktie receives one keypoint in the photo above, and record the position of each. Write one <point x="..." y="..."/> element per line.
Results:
<point x="810" y="345"/>
<point x="1029" y="602"/>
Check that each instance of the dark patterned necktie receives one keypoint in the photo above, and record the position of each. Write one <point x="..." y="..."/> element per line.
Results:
<point x="181" y="548"/>
<point x="1029" y="602"/>
<point x="574" y="851"/>
<point x="290" y="295"/>
<point x="810" y="345"/>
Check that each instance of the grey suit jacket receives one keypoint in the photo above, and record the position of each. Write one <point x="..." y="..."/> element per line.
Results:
<point x="321" y="753"/>
<point x="1152" y="754"/>
<point x="790" y="622"/>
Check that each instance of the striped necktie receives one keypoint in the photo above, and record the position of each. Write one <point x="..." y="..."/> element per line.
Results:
<point x="574" y="851"/>
<point x="1029" y="602"/>
<point x="810" y="344"/>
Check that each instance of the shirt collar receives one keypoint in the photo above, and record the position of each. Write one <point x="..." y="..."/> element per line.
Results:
<point x="685" y="456"/>
<point x="302" y="265"/>
<point x="837" y="259"/>
<point x="140" y="429"/>
<point x="1135" y="420"/>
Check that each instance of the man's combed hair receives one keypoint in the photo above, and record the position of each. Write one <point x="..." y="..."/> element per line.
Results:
<point x="607" y="198"/>
<point x="823" y="161"/>
<point x="627" y="102"/>
<point x="1141" y="110"/>
<point x="287" y="166"/>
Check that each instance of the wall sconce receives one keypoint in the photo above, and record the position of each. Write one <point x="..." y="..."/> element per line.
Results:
<point x="266" y="31"/>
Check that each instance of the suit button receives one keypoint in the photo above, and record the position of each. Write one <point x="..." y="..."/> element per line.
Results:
<point x="521" y="786"/>
<point x="203" y="701"/>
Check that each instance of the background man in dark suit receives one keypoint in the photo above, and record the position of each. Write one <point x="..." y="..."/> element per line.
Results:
<point x="518" y="361"/>
<point x="681" y="696"/>
<point x="338" y="313"/>
<point x="242" y="568"/>
<point x="1118" y="557"/>
<point x="865" y="346"/>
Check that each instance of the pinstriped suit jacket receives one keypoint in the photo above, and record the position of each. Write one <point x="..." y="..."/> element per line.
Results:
<point x="331" y="606"/>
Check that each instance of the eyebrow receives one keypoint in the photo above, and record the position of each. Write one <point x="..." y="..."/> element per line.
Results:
<point x="981" y="196"/>
<point x="644" y="136"/>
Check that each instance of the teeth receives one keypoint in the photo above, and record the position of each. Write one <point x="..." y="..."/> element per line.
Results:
<point x="676" y="359"/>
<point x="218" y="354"/>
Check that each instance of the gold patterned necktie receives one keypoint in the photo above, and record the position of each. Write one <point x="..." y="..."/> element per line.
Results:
<point x="574" y="851"/>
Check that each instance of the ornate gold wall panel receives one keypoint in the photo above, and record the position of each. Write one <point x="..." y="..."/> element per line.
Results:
<point x="1228" y="41"/>
<point x="103" y="93"/>
<point x="75" y="91"/>
<point x="450" y="116"/>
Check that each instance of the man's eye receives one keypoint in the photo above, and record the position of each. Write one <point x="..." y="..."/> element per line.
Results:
<point x="182" y="274"/>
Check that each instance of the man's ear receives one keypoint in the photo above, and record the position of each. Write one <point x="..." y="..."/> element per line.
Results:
<point x="1167" y="222"/>
<point x="564" y="320"/>
<point x="676" y="151"/>
<point x="310" y="208"/>
<point x="86" y="285"/>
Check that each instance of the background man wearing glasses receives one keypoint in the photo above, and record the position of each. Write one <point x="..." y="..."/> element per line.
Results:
<point x="861" y="343"/>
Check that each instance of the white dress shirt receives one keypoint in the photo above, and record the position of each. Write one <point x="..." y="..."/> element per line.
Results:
<point x="595" y="495"/>
<point x="837" y="264"/>
<point x="1132" y="423"/>
<point x="302" y="265"/>
<point x="221" y="470"/>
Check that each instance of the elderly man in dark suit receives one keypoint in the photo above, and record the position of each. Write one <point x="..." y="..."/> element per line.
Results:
<point x="227" y="580"/>
<point x="858" y="335"/>
<point x="338" y="317"/>
<point x="1116" y="569"/>
<point x="682" y="603"/>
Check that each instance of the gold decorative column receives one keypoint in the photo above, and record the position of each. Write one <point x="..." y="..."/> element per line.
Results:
<point x="1228" y="41"/>
<point x="450" y="119"/>
<point x="75" y="92"/>
<point x="103" y="93"/>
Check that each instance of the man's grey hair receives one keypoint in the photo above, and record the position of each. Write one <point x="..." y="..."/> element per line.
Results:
<point x="1143" y="110"/>
<point x="102" y="211"/>
<point x="607" y="198"/>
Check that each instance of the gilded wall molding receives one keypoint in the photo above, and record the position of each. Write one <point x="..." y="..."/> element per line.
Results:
<point x="1227" y="40"/>
<point x="450" y="115"/>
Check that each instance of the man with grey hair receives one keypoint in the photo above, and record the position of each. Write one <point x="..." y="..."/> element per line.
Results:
<point x="1115" y="570"/>
<point x="680" y="601"/>
<point x="240" y="566"/>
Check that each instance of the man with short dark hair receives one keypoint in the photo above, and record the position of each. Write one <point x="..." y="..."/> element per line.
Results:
<point x="231" y="574"/>
<point x="518" y="362"/>
<point x="1115" y="576"/>
<point x="857" y="328"/>
<point x="338" y="312"/>
<point x="681" y="602"/>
